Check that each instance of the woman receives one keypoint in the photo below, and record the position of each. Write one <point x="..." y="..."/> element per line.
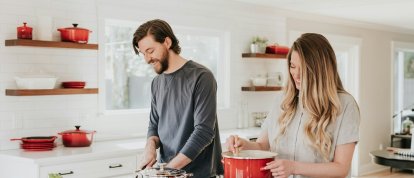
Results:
<point x="315" y="128"/>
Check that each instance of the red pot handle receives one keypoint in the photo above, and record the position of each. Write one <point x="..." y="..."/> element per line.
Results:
<point x="14" y="139"/>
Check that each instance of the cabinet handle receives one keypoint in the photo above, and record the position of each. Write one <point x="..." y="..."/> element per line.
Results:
<point x="115" y="166"/>
<point x="66" y="173"/>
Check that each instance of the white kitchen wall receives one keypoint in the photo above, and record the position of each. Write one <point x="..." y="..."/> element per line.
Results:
<point x="47" y="115"/>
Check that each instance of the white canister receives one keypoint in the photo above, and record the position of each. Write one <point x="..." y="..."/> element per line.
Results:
<point x="412" y="140"/>
<point x="44" y="28"/>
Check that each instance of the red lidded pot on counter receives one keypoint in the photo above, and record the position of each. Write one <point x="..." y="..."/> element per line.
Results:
<point x="24" y="32"/>
<point x="77" y="137"/>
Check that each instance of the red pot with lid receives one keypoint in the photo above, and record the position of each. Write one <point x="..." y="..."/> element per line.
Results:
<point x="77" y="137"/>
<point x="74" y="34"/>
<point x="24" y="32"/>
<point x="247" y="163"/>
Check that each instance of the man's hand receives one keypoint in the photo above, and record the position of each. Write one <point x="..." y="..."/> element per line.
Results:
<point x="149" y="159"/>
<point x="150" y="153"/>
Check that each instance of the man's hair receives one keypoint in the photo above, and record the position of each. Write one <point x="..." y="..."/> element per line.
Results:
<point x="159" y="29"/>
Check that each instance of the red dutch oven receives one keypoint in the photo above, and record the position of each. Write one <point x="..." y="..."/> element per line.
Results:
<point x="74" y="34"/>
<point x="77" y="137"/>
<point x="247" y="164"/>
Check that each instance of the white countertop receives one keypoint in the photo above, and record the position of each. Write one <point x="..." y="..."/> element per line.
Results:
<point x="102" y="149"/>
<point x="248" y="133"/>
<point x="97" y="150"/>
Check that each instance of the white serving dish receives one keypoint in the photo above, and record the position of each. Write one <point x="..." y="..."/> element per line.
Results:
<point x="35" y="82"/>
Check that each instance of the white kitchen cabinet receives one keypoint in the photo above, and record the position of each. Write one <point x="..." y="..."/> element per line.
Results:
<point x="111" y="159"/>
<point x="92" y="169"/>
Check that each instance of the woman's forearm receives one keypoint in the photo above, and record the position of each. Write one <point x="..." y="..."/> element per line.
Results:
<point x="321" y="170"/>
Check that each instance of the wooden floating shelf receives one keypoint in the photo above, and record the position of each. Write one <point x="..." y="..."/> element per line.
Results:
<point x="265" y="55"/>
<point x="60" y="91"/>
<point x="51" y="44"/>
<point x="258" y="88"/>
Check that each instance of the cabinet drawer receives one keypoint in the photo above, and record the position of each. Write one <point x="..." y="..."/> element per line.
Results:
<point x="93" y="168"/>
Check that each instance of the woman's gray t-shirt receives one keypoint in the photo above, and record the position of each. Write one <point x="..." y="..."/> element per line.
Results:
<point x="296" y="146"/>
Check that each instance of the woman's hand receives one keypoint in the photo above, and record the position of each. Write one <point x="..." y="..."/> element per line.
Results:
<point x="281" y="168"/>
<point x="235" y="144"/>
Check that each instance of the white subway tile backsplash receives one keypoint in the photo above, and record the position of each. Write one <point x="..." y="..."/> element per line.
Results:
<point x="16" y="10"/>
<point x="10" y="35"/>
<point x="7" y="121"/>
<point x="7" y="124"/>
<point x="8" y="58"/>
<point x="6" y="115"/>
<point x="64" y="59"/>
<point x="80" y="104"/>
<point x="9" y="28"/>
<point x="17" y="50"/>
<point x="49" y="113"/>
<point x="20" y="3"/>
<point x="17" y="67"/>
<point x="53" y="69"/>
<point x="17" y="106"/>
<point x="8" y="19"/>
<point x="34" y="59"/>
<point x="46" y="123"/>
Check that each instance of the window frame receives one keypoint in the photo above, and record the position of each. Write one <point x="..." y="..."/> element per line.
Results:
<point x="397" y="46"/>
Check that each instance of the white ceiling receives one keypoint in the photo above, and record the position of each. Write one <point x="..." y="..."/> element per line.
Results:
<point x="396" y="13"/>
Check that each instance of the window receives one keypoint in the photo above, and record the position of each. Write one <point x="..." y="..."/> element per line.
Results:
<point x="128" y="77"/>
<point x="403" y="83"/>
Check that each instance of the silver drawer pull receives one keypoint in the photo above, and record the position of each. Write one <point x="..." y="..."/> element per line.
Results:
<point x="115" y="166"/>
<point x="66" y="173"/>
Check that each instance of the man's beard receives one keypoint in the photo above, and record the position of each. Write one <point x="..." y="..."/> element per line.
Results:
<point x="164" y="63"/>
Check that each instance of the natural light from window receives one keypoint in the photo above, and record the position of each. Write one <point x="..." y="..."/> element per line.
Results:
<point x="128" y="77"/>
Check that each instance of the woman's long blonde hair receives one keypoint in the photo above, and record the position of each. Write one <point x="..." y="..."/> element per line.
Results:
<point x="320" y="85"/>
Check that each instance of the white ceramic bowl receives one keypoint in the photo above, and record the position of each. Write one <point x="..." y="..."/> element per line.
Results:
<point x="35" y="82"/>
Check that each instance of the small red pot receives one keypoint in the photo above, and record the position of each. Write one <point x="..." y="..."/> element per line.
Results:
<point x="24" y="32"/>
<point x="77" y="138"/>
<point x="247" y="164"/>
<point x="74" y="34"/>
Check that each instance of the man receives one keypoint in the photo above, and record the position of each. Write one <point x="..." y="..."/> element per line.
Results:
<point x="183" y="118"/>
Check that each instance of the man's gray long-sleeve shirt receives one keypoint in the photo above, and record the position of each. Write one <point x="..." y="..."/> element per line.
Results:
<point x="184" y="117"/>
